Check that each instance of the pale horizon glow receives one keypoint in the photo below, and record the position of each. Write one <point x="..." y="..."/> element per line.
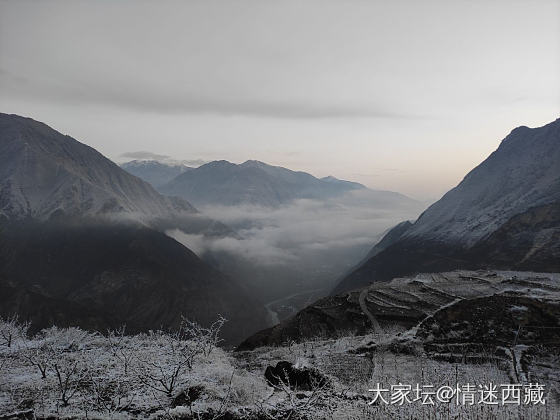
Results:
<point x="404" y="96"/>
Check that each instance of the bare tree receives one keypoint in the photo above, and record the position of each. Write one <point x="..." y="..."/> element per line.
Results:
<point x="207" y="338"/>
<point x="49" y="344"/>
<point x="109" y="396"/>
<point x="165" y="372"/>
<point x="121" y="348"/>
<point x="10" y="329"/>
<point x="40" y="357"/>
<point x="69" y="372"/>
<point x="65" y="339"/>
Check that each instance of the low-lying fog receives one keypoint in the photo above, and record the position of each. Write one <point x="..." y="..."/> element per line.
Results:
<point x="298" y="251"/>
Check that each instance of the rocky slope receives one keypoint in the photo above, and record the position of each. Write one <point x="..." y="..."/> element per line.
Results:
<point x="405" y="302"/>
<point x="508" y="203"/>
<point x="43" y="172"/>
<point x="523" y="172"/>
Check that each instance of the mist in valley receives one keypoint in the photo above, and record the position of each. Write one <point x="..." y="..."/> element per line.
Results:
<point x="293" y="254"/>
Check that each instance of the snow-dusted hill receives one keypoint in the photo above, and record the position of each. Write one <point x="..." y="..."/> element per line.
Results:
<point x="154" y="172"/>
<point x="43" y="172"/>
<point x="523" y="172"/>
<point x="403" y="302"/>
<point x="505" y="214"/>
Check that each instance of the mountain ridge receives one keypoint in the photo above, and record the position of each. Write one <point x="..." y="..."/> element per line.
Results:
<point x="516" y="176"/>
<point x="154" y="172"/>
<point x="520" y="177"/>
<point x="257" y="183"/>
<point x="45" y="172"/>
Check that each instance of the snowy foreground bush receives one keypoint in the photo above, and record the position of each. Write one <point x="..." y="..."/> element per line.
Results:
<point x="71" y="373"/>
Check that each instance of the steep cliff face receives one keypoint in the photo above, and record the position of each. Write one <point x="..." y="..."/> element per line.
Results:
<point x="528" y="241"/>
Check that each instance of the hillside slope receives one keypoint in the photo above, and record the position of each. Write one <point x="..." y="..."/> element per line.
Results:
<point x="43" y="172"/>
<point x="102" y="275"/>
<point x="499" y="216"/>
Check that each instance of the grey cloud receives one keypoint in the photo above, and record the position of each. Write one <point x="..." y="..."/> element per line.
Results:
<point x="257" y="250"/>
<point x="170" y="100"/>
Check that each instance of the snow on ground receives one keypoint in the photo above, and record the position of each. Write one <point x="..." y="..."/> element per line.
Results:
<point x="118" y="376"/>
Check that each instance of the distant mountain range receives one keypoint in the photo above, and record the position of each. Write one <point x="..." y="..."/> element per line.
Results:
<point x="80" y="243"/>
<point x="258" y="188"/>
<point x="154" y="172"/>
<point x="255" y="183"/>
<point x="504" y="214"/>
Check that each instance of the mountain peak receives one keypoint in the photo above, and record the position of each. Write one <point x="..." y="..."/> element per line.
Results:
<point x="155" y="172"/>
<point x="252" y="182"/>
<point x="522" y="173"/>
<point x="520" y="129"/>
<point x="255" y="164"/>
<point x="504" y="214"/>
<point x="218" y="163"/>
<point x="43" y="172"/>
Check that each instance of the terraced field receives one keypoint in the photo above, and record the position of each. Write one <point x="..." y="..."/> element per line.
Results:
<point x="403" y="303"/>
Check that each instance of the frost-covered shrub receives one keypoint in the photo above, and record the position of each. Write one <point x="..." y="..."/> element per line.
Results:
<point x="109" y="395"/>
<point x="206" y="338"/>
<point x="164" y="369"/>
<point x="65" y="339"/>
<point x="123" y="348"/>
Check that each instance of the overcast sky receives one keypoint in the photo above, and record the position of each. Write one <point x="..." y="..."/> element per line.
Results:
<point x="401" y="95"/>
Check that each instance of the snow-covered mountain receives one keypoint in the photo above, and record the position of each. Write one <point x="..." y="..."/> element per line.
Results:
<point x="154" y="172"/>
<point x="43" y="172"/>
<point x="257" y="183"/>
<point x="523" y="172"/>
<point x="504" y="214"/>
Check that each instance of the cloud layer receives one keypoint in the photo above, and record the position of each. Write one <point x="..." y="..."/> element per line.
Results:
<point x="304" y="231"/>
